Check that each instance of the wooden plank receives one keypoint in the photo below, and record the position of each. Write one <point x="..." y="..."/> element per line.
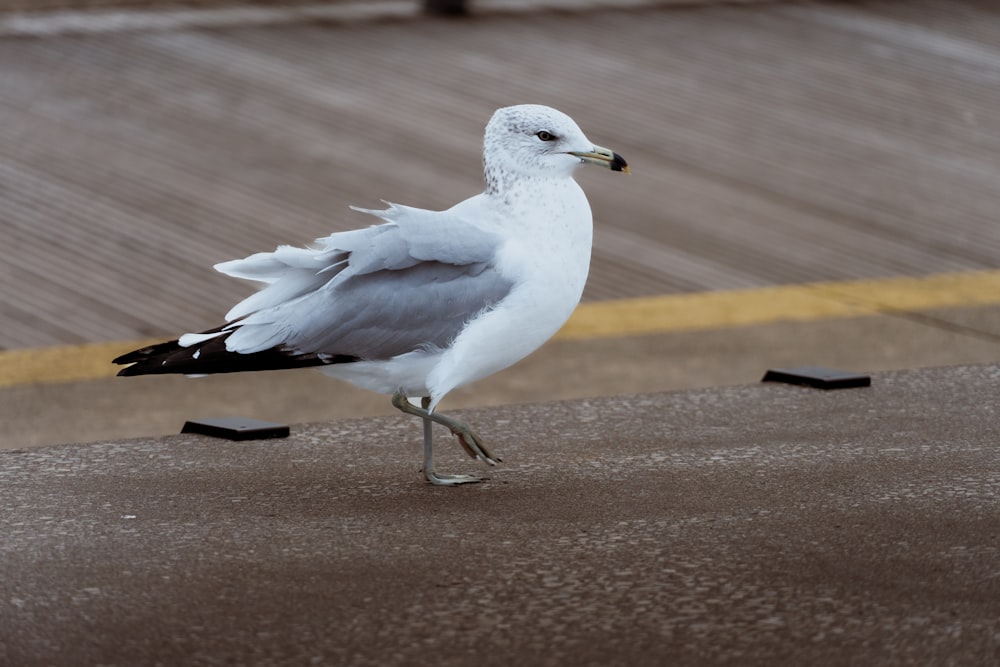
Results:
<point x="771" y="144"/>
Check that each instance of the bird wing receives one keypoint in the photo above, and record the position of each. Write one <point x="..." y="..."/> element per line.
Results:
<point x="410" y="283"/>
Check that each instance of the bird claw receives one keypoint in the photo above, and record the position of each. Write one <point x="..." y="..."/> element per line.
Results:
<point x="467" y="438"/>
<point x="474" y="446"/>
<point x="440" y="479"/>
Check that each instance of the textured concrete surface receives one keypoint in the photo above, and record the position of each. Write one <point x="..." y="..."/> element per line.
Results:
<point x="759" y="524"/>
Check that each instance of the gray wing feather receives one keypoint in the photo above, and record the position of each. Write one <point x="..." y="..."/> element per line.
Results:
<point x="386" y="313"/>
<point x="410" y="284"/>
<point x="416" y="235"/>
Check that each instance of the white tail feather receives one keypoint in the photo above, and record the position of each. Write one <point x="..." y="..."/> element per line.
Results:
<point x="189" y="339"/>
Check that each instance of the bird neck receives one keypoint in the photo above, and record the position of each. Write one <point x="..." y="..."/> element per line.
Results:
<point x="509" y="183"/>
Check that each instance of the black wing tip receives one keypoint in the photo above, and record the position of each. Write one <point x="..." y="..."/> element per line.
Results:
<point x="129" y="371"/>
<point x="133" y="356"/>
<point x="143" y="361"/>
<point x="210" y="357"/>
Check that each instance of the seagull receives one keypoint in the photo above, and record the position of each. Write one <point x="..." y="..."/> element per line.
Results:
<point x="425" y="301"/>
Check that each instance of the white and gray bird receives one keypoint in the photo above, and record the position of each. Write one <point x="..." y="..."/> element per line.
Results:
<point x="427" y="301"/>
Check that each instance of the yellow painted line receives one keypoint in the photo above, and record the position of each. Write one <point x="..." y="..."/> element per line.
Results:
<point x="808" y="302"/>
<point x="63" y="363"/>
<point x="625" y="317"/>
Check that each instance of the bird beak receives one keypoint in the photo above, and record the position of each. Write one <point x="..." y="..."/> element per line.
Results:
<point x="605" y="158"/>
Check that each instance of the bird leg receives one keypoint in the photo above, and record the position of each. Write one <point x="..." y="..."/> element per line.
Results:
<point x="469" y="439"/>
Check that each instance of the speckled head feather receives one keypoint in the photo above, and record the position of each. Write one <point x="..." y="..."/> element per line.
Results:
<point x="530" y="141"/>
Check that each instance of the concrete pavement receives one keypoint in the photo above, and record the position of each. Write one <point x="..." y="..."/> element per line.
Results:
<point x="751" y="524"/>
<point x="756" y="525"/>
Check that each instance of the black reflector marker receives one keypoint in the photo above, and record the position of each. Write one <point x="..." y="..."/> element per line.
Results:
<point x="820" y="378"/>
<point x="236" y="428"/>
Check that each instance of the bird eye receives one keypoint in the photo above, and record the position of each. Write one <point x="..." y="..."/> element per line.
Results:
<point x="545" y="135"/>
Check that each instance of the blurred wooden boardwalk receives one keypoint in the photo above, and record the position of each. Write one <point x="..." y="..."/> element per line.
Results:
<point x="773" y="143"/>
